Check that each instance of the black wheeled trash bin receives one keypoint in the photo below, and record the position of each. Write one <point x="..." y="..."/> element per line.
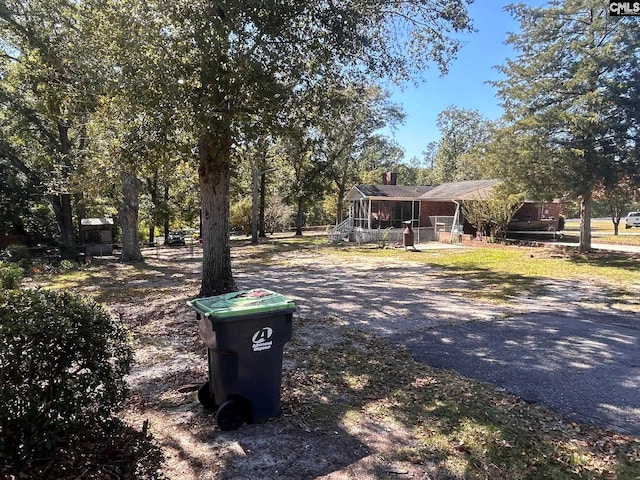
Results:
<point x="245" y="333"/>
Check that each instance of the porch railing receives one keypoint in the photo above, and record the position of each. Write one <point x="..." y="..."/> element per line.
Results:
<point x="394" y="236"/>
<point x="347" y="231"/>
<point x="389" y="236"/>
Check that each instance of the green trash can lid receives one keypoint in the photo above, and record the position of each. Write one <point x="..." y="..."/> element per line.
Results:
<point x="243" y="303"/>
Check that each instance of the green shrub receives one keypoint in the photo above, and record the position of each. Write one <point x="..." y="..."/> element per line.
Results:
<point x="240" y="216"/>
<point x="10" y="276"/>
<point x="62" y="365"/>
<point x="17" y="254"/>
<point x="68" y="265"/>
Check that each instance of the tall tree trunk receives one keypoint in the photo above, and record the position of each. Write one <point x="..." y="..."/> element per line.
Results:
<point x="263" y="194"/>
<point x="585" y="222"/>
<point x="61" y="203"/>
<point x="128" y="215"/>
<point x="341" y="184"/>
<point x="258" y="166"/>
<point x="152" y="186"/>
<point x="340" y="203"/>
<point x="254" y="201"/>
<point x="215" y="178"/>
<point x="300" y="217"/>
<point x="166" y="214"/>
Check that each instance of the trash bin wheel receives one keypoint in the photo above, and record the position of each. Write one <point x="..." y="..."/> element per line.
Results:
<point x="205" y="397"/>
<point x="231" y="414"/>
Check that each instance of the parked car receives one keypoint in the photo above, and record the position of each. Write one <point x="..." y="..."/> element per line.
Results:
<point x="176" y="238"/>
<point x="632" y="220"/>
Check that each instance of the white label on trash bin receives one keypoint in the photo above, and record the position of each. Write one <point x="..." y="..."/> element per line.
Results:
<point x="261" y="339"/>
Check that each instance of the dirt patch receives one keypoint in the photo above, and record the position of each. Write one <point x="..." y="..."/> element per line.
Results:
<point x="572" y="253"/>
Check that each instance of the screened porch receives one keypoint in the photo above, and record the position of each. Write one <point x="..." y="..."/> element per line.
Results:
<point x="382" y="214"/>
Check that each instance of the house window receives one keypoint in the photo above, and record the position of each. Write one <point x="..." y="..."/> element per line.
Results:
<point x="93" y="236"/>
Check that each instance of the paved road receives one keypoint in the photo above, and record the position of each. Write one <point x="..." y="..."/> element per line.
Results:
<point x="586" y="366"/>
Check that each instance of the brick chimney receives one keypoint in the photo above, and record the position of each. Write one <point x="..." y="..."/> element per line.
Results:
<point x="389" y="178"/>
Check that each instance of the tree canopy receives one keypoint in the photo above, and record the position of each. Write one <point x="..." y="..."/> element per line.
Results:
<point x="238" y="60"/>
<point x="571" y="103"/>
<point x="130" y="87"/>
<point x="462" y="132"/>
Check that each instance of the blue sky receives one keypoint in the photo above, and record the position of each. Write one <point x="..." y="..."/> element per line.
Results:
<point x="465" y="85"/>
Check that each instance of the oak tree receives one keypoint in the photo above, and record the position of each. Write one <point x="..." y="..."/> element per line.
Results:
<point x="45" y="98"/>
<point x="236" y="59"/>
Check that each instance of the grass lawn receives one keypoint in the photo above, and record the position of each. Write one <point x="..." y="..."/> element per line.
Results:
<point x="603" y="232"/>
<point x="496" y="273"/>
<point x="514" y="261"/>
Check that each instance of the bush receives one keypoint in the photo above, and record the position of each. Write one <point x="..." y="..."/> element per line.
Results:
<point x="10" y="276"/>
<point x="17" y="254"/>
<point x="63" y="360"/>
<point x="278" y="216"/>
<point x="240" y="216"/>
<point x="68" y="265"/>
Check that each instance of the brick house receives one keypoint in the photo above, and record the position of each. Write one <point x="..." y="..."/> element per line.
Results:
<point x="429" y="209"/>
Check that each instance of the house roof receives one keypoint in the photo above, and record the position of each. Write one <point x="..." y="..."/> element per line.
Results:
<point x="392" y="191"/>
<point x="96" y="221"/>
<point x="467" y="190"/>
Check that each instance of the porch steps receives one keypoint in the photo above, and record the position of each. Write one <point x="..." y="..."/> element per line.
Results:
<point x="341" y="231"/>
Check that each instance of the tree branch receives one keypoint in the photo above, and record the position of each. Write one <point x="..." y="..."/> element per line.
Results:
<point x="7" y="152"/>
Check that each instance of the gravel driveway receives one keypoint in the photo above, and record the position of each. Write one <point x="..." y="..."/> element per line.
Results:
<point x="582" y="360"/>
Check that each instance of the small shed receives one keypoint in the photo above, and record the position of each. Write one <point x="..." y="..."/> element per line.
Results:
<point x="96" y="234"/>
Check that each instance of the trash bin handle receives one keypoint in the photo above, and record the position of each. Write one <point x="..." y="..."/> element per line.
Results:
<point x="252" y="294"/>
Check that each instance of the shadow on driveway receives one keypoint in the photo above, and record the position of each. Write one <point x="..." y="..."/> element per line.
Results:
<point x="584" y="362"/>
<point x="585" y="366"/>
